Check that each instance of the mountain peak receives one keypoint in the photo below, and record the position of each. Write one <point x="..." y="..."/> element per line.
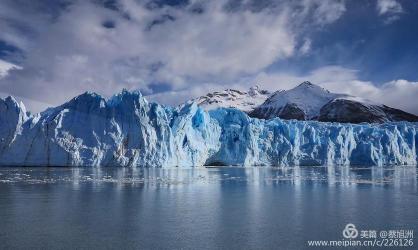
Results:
<point x="85" y="97"/>
<point x="306" y="98"/>
<point x="306" y="84"/>
<point x="309" y="85"/>
<point x="126" y="96"/>
<point x="254" y="90"/>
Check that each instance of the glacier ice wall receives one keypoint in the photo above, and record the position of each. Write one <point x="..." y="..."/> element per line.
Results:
<point x="246" y="141"/>
<point x="126" y="130"/>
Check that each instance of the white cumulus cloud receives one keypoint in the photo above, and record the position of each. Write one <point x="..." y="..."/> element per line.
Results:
<point x="6" y="67"/>
<point x="389" y="8"/>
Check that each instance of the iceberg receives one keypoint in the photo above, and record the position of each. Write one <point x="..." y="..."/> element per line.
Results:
<point x="128" y="131"/>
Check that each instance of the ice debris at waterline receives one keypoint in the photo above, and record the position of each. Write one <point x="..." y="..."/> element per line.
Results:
<point x="126" y="130"/>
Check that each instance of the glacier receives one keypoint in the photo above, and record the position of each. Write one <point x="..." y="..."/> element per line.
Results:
<point x="128" y="131"/>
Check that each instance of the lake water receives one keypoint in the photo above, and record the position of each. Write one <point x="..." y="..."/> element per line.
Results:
<point x="201" y="208"/>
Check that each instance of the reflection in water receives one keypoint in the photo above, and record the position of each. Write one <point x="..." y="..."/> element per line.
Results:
<point x="200" y="208"/>
<point x="397" y="176"/>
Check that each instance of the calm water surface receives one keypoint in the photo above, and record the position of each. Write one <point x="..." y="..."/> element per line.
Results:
<point x="202" y="208"/>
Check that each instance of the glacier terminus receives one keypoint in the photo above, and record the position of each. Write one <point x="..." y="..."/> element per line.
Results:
<point x="127" y="130"/>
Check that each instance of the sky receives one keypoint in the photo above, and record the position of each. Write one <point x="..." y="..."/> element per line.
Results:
<point x="53" y="50"/>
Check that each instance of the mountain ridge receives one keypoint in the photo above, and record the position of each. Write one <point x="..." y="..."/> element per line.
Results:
<point x="231" y="98"/>
<point x="308" y="101"/>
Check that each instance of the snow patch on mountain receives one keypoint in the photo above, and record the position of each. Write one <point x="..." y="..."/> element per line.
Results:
<point x="245" y="101"/>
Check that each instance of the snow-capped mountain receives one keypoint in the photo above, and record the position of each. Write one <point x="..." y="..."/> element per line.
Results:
<point x="231" y="98"/>
<point x="302" y="103"/>
<point x="127" y="130"/>
<point x="308" y="101"/>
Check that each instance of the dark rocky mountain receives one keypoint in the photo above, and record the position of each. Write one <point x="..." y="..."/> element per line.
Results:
<point x="341" y="110"/>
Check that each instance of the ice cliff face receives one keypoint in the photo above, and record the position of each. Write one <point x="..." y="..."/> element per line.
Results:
<point x="123" y="131"/>
<point x="126" y="130"/>
<point x="280" y="142"/>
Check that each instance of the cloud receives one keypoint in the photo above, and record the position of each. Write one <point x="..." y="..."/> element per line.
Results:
<point x="401" y="94"/>
<point x="6" y="67"/>
<point x="173" y="53"/>
<point x="391" y="9"/>
<point x="177" y="97"/>
<point x="388" y="6"/>
<point x="306" y="47"/>
<point x="327" y="11"/>
<point x="134" y="45"/>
